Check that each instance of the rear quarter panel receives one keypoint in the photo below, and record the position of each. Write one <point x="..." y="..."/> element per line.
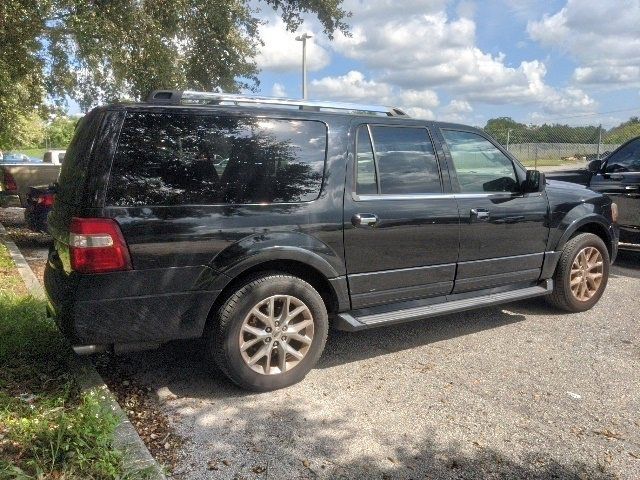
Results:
<point x="227" y="239"/>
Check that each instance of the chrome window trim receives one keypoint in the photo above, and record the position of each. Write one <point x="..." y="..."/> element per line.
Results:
<point x="436" y="196"/>
<point x="375" y="158"/>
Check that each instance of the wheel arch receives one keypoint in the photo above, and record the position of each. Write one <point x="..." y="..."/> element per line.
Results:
<point x="333" y="291"/>
<point x="594" y="224"/>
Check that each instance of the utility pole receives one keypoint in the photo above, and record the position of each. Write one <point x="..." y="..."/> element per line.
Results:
<point x="599" y="141"/>
<point x="303" y="38"/>
<point x="508" y="135"/>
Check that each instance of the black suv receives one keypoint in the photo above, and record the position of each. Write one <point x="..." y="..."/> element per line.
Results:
<point x="255" y="223"/>
<point x="617" y="176"/>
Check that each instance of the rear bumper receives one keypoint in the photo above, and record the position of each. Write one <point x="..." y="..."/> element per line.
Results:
<point x="132" y="307"/>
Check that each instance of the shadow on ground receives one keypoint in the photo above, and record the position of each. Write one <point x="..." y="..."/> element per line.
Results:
<point x="176" y="361"/>
<point x="627" y="264"/>
<point x="247" y="440"/>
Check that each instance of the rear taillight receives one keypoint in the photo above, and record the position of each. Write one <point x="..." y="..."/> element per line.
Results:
<point x="46" y="199"/>
<point x="97" y="245"/>
<point x="10" y="184"/>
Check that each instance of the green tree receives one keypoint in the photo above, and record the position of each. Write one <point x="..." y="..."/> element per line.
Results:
<point x="101" y="50"/>
<point x="623" y="132"/>
<point x="501" y="127"/>
<point x="27" y="131"/>
<point x="60" y="131"/>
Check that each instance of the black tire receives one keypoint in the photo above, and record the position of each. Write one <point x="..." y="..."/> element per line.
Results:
<point x="562" y="296"/>
<point x="224" y="333"/>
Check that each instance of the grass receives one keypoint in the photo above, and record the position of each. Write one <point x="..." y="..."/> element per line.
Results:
<point x="552" y="162"/>
<point x="545" y="162"/>
<point x="48" y="427"/>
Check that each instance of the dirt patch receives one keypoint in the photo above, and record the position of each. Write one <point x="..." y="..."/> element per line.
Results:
<point x="33" y="245"/>
<point x="143" y="411"/>
<point x="11" y="216"/>
<point x="25" y="238"/>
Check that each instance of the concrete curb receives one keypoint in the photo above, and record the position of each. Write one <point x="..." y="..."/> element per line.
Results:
<point x="137" y="456"/>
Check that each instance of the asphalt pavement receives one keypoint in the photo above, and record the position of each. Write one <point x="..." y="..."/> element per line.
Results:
<point x="518" y="391"/>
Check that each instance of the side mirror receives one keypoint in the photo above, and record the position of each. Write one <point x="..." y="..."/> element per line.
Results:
<point x="534" y="182"/>
<point x="594" y="166"/>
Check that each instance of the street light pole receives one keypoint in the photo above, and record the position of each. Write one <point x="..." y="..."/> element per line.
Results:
<point x="303" y="38"/>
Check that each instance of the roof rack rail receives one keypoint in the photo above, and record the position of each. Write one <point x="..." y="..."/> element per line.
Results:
<point x="189" y="97"/>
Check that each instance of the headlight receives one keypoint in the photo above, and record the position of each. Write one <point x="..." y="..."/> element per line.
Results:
<point x="614" y="212"/>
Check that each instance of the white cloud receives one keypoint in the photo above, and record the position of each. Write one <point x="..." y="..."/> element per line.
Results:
<point x="278" y="90"/>
<point x="281" y="52"/>
<point x="604" y="37"/>
<point x="355" y="87"/>
<point x="422" y="113"/>
<point x="420" y="98"/>
<point x="466" y="9"/>
<point x="418" y="47"/>
<point x="351" y="87"/>
<point x="458" y="106"/>
<point x="458" y="111"/>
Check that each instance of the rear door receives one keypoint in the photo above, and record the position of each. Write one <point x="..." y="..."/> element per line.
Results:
<point x="620" y="179"/>
<point x="503" y="232"/>
<point x="400" y="220"/>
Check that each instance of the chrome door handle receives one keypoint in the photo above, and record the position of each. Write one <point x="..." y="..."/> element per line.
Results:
<point x="361" y="219"/>
<point x="480" y="214"/>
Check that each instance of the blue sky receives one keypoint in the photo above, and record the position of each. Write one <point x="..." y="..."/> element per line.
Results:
<point x="575" y="61"/>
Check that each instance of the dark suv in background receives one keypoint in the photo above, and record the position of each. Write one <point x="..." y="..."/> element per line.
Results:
<point x="618" y="177"/>
<point x="255" y="223"/>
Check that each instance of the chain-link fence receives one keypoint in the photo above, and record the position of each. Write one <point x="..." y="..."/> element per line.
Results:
<point x="550" y="147"/>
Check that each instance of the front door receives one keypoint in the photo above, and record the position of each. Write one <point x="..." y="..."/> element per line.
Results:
<point x="503" y="232"/>
<point x="620" y="179"/>
<point x="400" y="219"/>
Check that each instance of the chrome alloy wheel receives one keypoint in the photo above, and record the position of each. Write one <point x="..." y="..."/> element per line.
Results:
<point x="276" y="334"/>
<point x="586" y="273"/>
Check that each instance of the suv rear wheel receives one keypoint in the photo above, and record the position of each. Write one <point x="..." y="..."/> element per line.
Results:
<point x="270" y="332"/>
<point x="582" y="273"/>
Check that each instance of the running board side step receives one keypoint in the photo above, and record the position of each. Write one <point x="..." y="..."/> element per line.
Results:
<point x="629" y="246"/>
<point x="350" y="321"/>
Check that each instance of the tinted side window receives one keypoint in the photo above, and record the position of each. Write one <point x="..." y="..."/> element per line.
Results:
<point x="75" y="170"/>
<point x="479" y="165"/>
<point x="627" y="159"/>
<point x="179" y="159"/>
<point x="406" y="160"/>
<point x="366" y="179"/>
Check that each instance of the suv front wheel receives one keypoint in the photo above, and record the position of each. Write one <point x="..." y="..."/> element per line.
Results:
<point x="270" y="332"/>
<point x="581" y="275"/>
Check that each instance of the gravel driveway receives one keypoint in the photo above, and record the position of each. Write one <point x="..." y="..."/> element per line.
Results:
<point x="520" y="391"/>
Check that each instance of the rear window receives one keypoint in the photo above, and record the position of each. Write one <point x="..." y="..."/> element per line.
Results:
<point x="180" y="159"/>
